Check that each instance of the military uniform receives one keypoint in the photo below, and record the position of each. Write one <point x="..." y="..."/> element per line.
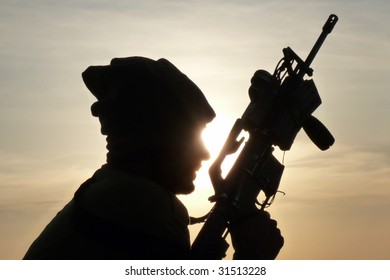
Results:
<point x="116" y="215"/>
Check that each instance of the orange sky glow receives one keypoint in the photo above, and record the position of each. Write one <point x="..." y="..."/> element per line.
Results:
<point x="337" y="202"/>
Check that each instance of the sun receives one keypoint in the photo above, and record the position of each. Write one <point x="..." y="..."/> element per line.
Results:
<point x="214" y="137"/>
<point x="215" y="134"/>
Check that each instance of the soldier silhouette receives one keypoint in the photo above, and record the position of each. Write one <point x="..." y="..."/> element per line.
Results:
<point x="153" y="116"/>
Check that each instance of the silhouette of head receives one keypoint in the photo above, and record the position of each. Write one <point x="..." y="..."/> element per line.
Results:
<point x="152" y="115"/>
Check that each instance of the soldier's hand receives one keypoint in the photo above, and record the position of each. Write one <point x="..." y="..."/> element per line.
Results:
<point x="256" y="238"/>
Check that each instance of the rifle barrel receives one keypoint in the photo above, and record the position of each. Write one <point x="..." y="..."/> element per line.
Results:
<point x="328" y="27"/>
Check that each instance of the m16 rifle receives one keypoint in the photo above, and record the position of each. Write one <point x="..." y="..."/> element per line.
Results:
<point x="280" y="105"/>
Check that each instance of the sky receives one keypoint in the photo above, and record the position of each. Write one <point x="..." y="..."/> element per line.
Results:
<point x="337" y="202"/>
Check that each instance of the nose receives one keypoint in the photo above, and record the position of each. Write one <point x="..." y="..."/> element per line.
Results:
<point x="206" y="154"/>
<point x="199" y="151"/>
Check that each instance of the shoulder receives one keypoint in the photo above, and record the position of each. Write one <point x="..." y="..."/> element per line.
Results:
<point x="135" y="203"/>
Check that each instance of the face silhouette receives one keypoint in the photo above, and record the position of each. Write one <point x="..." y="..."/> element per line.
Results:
<point x="179" y="163"/>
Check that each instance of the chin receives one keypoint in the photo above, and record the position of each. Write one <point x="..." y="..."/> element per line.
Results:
<point x="183" y="188"/>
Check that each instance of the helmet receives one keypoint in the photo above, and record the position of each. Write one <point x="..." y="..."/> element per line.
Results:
<point x="136" y="92"/>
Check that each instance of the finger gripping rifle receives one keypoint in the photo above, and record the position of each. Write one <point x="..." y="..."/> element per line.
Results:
<point x="280" y="105"/>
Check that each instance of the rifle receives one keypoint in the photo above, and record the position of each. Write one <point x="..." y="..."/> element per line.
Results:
<point x="280" y="105"/>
